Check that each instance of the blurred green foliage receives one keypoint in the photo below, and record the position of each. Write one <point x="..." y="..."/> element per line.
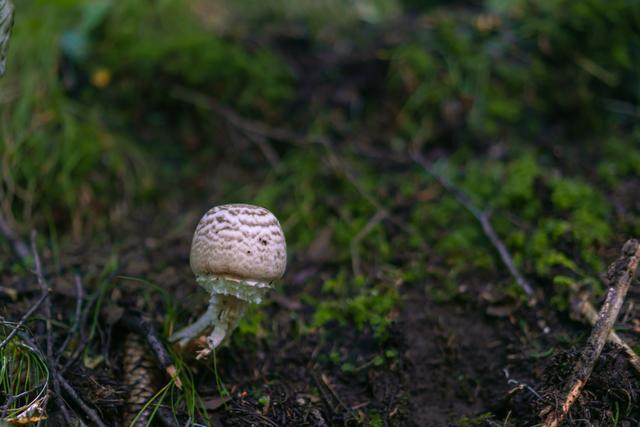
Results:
<point x="534" y="104"/>
<point x="151" y="50"/>
<point x="520" y="69"/>
<point x="60" y="163"/>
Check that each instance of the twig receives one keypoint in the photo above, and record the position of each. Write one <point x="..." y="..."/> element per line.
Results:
<point x="24" y="318"/>
<point x="619" y="277"/>
<point x="83" y="341"/>
<point x="45" y="294"/>
<point x="145" y="329"/>
<point x="53" y="365"/>
<point x="585" y="309"/>
<point x="73" y="394"/>
<point x="484" y="218"/>
<point x="45" y="291"/>
<point x="19" y="247"/>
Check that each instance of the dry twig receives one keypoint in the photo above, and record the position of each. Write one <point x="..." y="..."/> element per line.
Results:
<point x="47" y="313"/>
<point x="619" y="277"/>
<point x="145" y="329"/>
<point x="585" y="309"/>
<point x="484" y="218"/>
<point x="73" y="394"/>
<point x="22" y="320"/>
<point x="44" y="287"/>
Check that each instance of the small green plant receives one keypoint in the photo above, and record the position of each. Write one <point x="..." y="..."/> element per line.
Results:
<point x="24" y="379"/>
<point x="478" y="420"/>
<point x="370" y="308"/>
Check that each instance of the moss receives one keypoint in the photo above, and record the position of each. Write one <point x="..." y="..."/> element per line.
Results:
<point x="557" y="224"/>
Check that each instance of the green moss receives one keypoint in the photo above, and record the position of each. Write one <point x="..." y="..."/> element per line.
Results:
<point x="370" y="308"/>
<point x="478" y="420"/>
<point x="553" y="225"/>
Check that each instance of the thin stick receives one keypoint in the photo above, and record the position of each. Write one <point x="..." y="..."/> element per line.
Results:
<point x="145" y="329"/>
<point x="83" y="341"/>
<point x="73" y="394"/>
<point x="619" y="277"/>
<point x="45" y="291"/>
<point x="53" y="366"/>
<point x="483" y="217"/>
<point x="24" y="318"/>
<point x="585" y="309"/>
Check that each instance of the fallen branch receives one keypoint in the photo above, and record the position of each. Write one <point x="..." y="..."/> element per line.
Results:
<point x="73" y="394"/>
<point x="619" y="277"/>
<point x="484" y="218"/>
<point x="585" y="309"/>
<point x="145" y="329"/>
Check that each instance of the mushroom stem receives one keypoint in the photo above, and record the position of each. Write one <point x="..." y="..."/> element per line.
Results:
<point x="223" y="313"/>
<point x="229" y="310"/>
<point x="184" y="335"/>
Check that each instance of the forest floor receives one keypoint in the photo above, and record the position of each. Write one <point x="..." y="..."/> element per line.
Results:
<point x="396" y="308"/>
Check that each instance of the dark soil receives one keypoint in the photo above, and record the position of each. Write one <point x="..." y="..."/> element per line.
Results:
<point x="456" y="358"/>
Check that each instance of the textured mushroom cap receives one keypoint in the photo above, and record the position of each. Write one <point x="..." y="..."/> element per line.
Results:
<point x="241" y="242"/>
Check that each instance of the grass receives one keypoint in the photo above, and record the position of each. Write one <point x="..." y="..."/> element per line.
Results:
<point x="185" y="399"/>
<point x="24" y="379"/>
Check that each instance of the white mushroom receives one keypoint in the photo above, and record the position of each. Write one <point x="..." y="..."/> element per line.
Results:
<point x="237" y="251"/>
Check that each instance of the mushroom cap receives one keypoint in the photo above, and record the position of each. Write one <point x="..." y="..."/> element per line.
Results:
<point x="239" y="242"/>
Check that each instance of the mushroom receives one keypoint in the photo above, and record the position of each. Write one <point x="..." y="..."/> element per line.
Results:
<point x="237" y="251"/>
